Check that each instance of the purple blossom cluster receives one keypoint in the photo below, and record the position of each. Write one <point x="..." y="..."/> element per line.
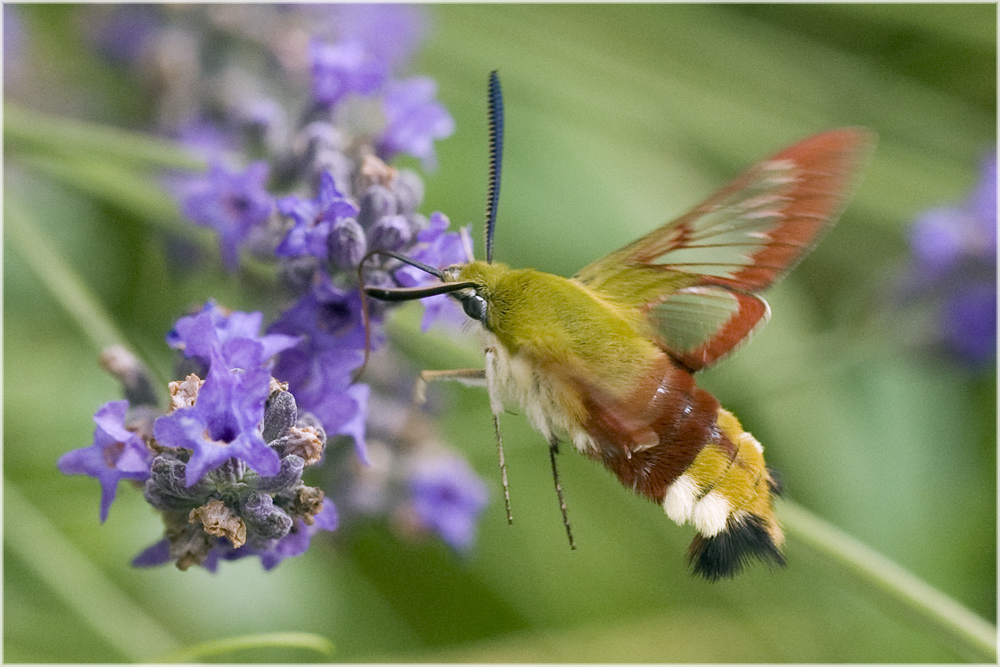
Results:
<point x="224" y="464"/>
<point x="954" y="269"/>
<point x="250" y="410"/>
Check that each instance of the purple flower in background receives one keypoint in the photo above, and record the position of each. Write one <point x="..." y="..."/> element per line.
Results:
<point x="955" y="255"/>
<point x="448" y="498"/>
<point x="343" y="68"/>
<point x="319" y="369"/>
<point x="414" y="119"/>
<point x="391" y="32"/>
<point x="440" y="248"/>
<point x="230" y="202"/>
<point x="116" y="454"/>
<point x="124" y="35"/>
<point x="225" y="420"/>
<point x="318" y="223"/>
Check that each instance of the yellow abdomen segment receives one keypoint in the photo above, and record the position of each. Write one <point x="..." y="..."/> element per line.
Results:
<point x="728" y="499"/>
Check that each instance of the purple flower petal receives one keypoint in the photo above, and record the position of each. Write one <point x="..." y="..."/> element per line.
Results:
<point x="414" y="120"/>
<point x="153" y="555"/>
<point x="344" y="68"/>
<point x="448" y="497"/>
<point x="225" y="421"/>
<point x="230" y="202"/>
<point x="197" y="335"/>
<point x="115" y="454"/>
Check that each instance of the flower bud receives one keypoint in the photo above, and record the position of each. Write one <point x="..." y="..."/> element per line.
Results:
<point x="347" y="244"/>
<point x="263" y="518"/>
<point x="409" y="190"/>
<point x="279" y="415"/>
<point x="377" y="202"/>
<point x="391" y="232"/>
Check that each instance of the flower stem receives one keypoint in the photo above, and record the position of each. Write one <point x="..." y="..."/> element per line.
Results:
<point x="55" y="273"/>
<point x="46" y="133"/>
<point x="959" y="627"/>
<point x="302" y="640"/>
<point x="41" y="547"/>
<point x="65" y="285"/>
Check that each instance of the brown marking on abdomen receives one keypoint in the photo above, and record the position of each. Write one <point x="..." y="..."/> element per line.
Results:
<point x="650" y="438"/>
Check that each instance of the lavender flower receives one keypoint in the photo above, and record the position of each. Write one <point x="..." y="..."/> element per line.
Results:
<point x="197" y="335"/>
<point x="448" y="498"/>
<point x="222" y="421"/>
<point x="954" y="251"/>
<point x="117" y="453"/>
<point x="224" y="464"/>
<point x="232" y="203"/>
<point x="415" y="119"/>
<point x="314" y="219"/>
<point x="344" y="68"/>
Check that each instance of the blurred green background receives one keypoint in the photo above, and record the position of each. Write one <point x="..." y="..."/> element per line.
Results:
<point x="619" y="117"/>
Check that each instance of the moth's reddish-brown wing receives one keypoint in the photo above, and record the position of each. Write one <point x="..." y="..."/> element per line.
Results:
<point x="739" y="241"/>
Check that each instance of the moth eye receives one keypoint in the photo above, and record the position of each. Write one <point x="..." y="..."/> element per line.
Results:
<point x="475" y="307"/>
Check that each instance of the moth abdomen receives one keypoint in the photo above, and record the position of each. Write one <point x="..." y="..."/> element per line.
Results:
<point x="728" y="498"/>
<point x="745" y="538"/>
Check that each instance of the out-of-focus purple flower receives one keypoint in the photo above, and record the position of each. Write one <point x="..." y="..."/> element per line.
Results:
<point x="231" y="202"/>
<point x="968" y="322"/>
<point x="116" y="454"/>
<point x="439" y="248"/>
<point x="955" y="254"/>
<point x="414" y="119"/>
<point x="197" y="335"/>
<point x="315" y="220"/>
<point x="391" y="32"/>
<point x="13" y="41"/>
<point x="123" y="34"/>
<point x="448" y="498"/>
<point x="206" y="139"/>
<point x="319" y="369"/>
<point x="225" y="420"/>
<point x="343" y="68"/>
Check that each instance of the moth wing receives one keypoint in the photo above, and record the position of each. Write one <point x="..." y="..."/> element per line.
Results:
<point x="699" y="325"/>
<point x="698" y="274"/>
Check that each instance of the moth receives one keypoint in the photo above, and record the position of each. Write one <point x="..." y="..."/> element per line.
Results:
<point x="606" y="360"/>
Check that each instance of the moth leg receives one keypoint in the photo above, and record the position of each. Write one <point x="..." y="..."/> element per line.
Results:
<point x="496" y="407"/>
<point x="473" y="377"/>
<point x="553" y="451"/>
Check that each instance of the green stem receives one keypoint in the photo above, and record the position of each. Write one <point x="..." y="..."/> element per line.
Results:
<point x="972" y="636"/>
<point x="302" y="640"/>
<point x="38" y="131"/>
<point x="70" y="575"/>
<point x="65" y="285"/>
<point x="58" y="277"/>
<point x="138" y="194"/>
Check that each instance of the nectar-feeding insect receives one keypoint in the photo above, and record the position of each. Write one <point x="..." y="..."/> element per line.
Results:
<point x="605" y="360"/>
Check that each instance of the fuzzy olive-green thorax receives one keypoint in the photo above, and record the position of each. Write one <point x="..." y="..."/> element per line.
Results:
<point x="560" y="322"/>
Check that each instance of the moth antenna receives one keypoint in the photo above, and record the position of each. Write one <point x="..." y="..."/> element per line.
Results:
<point x="495" y="98"/>
<point x="553" y="451"/>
